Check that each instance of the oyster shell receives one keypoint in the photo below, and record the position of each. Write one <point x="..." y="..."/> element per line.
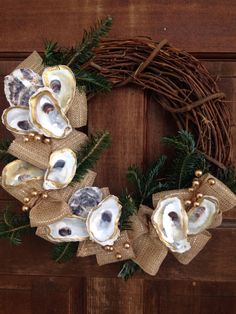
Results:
<point x="202" y="216"/>
<point x="61" y="170"/>
<point x="171" y="223"/>
<point x="20" y="85"/>
<point x="18" y="172"/>
<point x="68" y="229"/>
<point x="46" y="114"/>
<point x="83" y="200"/>
<point x="102" y="221"/>
<point x="62" y="81"/>
<point x="16" y="119"/>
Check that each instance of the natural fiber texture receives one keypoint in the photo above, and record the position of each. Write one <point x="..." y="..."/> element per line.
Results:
<point x="197" y="243"/>
<point x="34" y="153"/>
<point x="73" y="141"/>
<point x="88" y="247"/>
<point x="226" y="198"/>
<point x="178" y="82"/>
<point x="77" y="113"/>
<point x="183" y="193"/>
<point x="33" y="62"/>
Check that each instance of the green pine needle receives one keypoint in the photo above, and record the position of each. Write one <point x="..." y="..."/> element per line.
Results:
<point x="90" y="152"/>
<point x="228" y="177"/>
<point x="128" y="209"/>
<point x="63" y="252"/>
<point x="5" y="157"/>
<point x="13" y="226"/>
<point x="128" y="269"/>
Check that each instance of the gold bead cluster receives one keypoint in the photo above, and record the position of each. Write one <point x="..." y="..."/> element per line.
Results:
<point x="34" y="137"/>
<point x="27" y="199"/>
<point x="110" y="248"/>
<point x="195" y="185"/>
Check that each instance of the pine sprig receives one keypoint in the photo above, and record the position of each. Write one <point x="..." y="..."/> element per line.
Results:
<point x="128" y="269"/>
<point x="5" y="157"/>
<point x="187" y="159"/>
<point x="228" y="177"/>
<point x="128" y="209"/>
<point x="90" y="152"/>
<point x="147" y="183"/>
<point x="13" y="226"/>
<point x="63" y="252"/>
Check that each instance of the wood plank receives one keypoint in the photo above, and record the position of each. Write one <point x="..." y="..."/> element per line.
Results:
<point x="186" y="24"/>
<point x="105" y="296"/>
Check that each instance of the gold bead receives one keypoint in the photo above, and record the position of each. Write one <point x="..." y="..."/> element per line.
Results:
<point x="199" y="195"/>
<point x="107" y="248"/>
<point x="196" y="183"/>
<point x="196" y="204"/>
<point x="187" y="202"/>
<point x="47" y="141"/>
<point x="111" y="248"/>
<point x="34" y="193"/>
<point x="198" y="173"/>
<point x="127" y="245"/>
<point x="38" y="138"/>
<point x="211" y="181"/>
<point x="31" y="135"/>
<point x="190" y="189"/>
<point x="26" y="199"/>
<point x="118" y="256"/>
<point x="25" y="208"/>
<point x="44" y="195"/>
<point x="26" y="139"/>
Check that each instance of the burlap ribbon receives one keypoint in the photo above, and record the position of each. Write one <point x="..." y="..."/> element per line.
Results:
<point x="150" y="251"/>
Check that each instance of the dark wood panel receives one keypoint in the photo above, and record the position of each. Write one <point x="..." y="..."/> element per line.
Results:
<point x="192" y="25"/>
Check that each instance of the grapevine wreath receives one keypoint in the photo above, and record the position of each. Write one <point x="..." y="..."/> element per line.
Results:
<point x="47" y="167"/>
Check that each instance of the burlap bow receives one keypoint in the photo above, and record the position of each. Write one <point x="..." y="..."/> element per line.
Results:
<point x="150" y="251"/>
<point x="77" y="115"/>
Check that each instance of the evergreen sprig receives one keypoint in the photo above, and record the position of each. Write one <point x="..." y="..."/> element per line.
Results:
<point x="129" y="208"/>
<point x="63" y="252"/>
<point x="147" y="183"/>
<point x="5" y="157"/>
<point x="13" y="226"/>
<point x="76" y="56"/>
<point x="186" y="160"/>
<point x="128" y="269"/>
<point x="90" y="152"/>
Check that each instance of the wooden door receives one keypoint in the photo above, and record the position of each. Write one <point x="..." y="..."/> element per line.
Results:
<point x="30" y="282"/>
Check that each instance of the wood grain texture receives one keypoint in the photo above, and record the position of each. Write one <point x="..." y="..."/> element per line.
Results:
<point x="201" y="26"/>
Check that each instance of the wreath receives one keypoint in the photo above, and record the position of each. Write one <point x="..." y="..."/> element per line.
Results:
<point x="48" y="166"/>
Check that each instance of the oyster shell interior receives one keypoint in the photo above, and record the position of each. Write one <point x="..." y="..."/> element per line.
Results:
<point x="201" y="217"/>
<point x="102" y="222"/>
<point x="61" y="170"/>
<point x="83" y="200"/>
<point x="62" y="81"/>
<point x="68" y="229"/>
<point x="171" y="223"/>
<point x="20" y="85"/>
<point x="46" y="115"/>
<point x="18" y="172"/>
<point x="16" y="119"/>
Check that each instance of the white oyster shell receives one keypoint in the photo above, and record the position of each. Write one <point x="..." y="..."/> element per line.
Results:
<point x="201" y="217"/>
<point x="68" y="229"/>
<point x="102" y="222"/>
<point x="46" y="114"/>
<point x="16" y="119"/>
<point x="83" y="200"/>
<point x="18" y="172"/>
<point x="61" y="170"/>
<point x="20" y="85"/>
<point x="62" y="81"/>
<point x="171" y="223"/>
